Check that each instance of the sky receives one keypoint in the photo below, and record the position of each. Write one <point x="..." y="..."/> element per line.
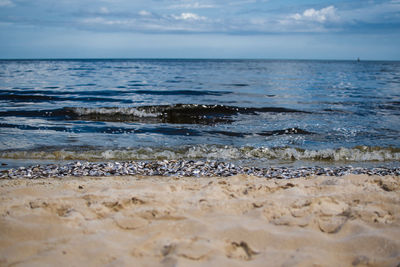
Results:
<point x="271" y="29"/>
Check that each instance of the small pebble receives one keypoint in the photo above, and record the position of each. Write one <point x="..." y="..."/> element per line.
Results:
<point x="183" y="168"/>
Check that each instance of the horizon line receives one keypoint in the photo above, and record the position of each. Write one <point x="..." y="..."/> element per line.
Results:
<point x="357" y="59"/>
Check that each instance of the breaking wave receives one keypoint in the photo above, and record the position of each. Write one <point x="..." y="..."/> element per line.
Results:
<point x="176" y="114"/>
<point x="216" y="152"/>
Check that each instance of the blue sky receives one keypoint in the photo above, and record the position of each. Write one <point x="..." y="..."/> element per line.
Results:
<point x="304" y="29"/>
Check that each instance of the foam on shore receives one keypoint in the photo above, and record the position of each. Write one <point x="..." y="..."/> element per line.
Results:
<point x="355" y="154"/>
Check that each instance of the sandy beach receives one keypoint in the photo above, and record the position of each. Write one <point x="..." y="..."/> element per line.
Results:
<point x="165" y="221"/>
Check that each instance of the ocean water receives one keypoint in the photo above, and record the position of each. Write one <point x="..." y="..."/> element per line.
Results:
<point x="255" y="112"/>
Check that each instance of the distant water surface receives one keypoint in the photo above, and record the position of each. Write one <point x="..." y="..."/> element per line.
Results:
<point x="258" y="112"/>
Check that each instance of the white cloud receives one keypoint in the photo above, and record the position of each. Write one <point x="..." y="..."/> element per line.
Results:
<point x="104" y="10"/>
<point x="185" y="22"/>
<point x="6" y="3"/>
<point x="255" y="18"/>
<point x="195" y="5"/>
<point x="103" y="21"/>
<point x="322" y="15"/>
<point x="188" y="16"/>
<point x="144" y="13"/>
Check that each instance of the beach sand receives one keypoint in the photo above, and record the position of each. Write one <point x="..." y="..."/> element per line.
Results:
<point x="166" y="221"/>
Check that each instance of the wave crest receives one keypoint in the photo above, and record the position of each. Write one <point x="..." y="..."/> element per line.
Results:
<point x="356" y="154"/>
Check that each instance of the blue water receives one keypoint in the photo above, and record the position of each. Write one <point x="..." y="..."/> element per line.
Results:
<point x="258" y="111"/>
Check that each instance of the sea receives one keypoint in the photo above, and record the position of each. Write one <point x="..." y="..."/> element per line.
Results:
<point x="250" y="112"/>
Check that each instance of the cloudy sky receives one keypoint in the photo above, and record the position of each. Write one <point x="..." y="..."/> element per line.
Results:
<point x="288" y="29"/>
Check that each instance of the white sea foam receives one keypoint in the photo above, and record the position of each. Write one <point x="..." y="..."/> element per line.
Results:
<point x="129" y="111"/>
<point x="356" y="154"/>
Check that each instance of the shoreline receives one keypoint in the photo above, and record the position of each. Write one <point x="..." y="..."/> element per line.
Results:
<point x="184" y="168"/>
<point x="207" y="221"/>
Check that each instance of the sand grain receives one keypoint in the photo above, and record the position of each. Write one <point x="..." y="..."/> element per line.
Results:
<point x="159" y="221"/>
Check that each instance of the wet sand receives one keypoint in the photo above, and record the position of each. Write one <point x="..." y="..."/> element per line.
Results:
<point x="241" y="220"/>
